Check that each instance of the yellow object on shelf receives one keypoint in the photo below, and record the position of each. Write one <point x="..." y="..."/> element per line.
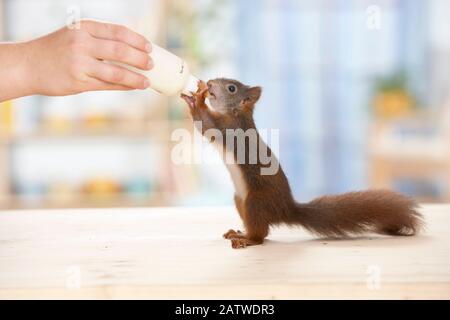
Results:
<point x="6" y="118"/>
<point x="57" y="124"/>
<point x="61" y="193"/>
<point x="393" y="104"/>
<point x="102" y="187"/>
<point x="97" y="121"/>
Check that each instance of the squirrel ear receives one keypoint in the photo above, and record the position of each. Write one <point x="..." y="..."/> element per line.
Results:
<point x="252" y="97"/>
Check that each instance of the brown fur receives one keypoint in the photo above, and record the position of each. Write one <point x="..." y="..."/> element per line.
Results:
<point x="269" y="200"/>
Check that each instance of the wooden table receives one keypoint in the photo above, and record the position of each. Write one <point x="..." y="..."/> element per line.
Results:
<point x="179" y="253"/>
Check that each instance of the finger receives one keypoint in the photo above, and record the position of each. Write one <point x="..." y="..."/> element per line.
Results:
<point x="118" y="75"/>
<point x="117" y="32"/>
<point x="120" y="52"/>
<point x="99" y="85"/>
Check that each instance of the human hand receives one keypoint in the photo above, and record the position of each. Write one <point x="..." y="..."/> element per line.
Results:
<point x="70" y="61"/>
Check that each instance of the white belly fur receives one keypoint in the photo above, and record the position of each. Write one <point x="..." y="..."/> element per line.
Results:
<point x="239" y="183"/>
<point x="238" y="180"/>
<point x="240" y="186"/>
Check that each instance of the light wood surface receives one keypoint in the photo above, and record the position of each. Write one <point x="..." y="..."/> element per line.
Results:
<point x="179" y="253"/>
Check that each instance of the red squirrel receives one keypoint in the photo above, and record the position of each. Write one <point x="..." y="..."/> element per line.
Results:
<point x="265" y="200"/>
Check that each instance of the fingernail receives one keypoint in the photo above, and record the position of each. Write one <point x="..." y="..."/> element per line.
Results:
<point x="146" y="84"/>
<point x="148" y="47"/>
<point x="150" y="64"/>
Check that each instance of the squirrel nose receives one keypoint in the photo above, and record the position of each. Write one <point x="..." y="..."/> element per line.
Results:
<point x="209" y="84"/>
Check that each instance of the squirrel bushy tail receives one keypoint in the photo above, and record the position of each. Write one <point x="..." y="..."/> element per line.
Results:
<point x="353" y="213"/>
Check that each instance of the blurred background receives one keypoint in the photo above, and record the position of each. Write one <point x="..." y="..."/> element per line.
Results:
<point x="360" y="91"/>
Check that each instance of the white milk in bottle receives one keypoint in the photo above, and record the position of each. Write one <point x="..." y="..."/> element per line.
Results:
<point x="170" y="74"/>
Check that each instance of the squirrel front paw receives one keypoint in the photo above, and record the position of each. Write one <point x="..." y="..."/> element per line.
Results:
<point x="190" y="100"/>
<point x="202" y="89"/>
<point x="200" y="95"/>
<point x="197" y="99"/>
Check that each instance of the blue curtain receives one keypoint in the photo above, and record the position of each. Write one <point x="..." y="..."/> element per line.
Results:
<point x="317" y="61"/>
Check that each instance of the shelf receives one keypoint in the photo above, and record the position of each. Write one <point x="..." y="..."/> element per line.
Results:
<point x="85" y="201"/>
<point x="144" y="122"/>
<point x="155" y="130"/>
<point x="147" y="131"/>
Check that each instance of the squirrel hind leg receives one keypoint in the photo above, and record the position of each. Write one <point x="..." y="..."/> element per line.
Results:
<point x="233" y="234"/>
<point x="241" y="240"/>
<point x="251" y="238"/>
<point x="238" y="243"/>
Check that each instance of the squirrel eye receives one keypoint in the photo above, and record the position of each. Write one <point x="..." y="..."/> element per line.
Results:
<point x="232" y="88"/>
